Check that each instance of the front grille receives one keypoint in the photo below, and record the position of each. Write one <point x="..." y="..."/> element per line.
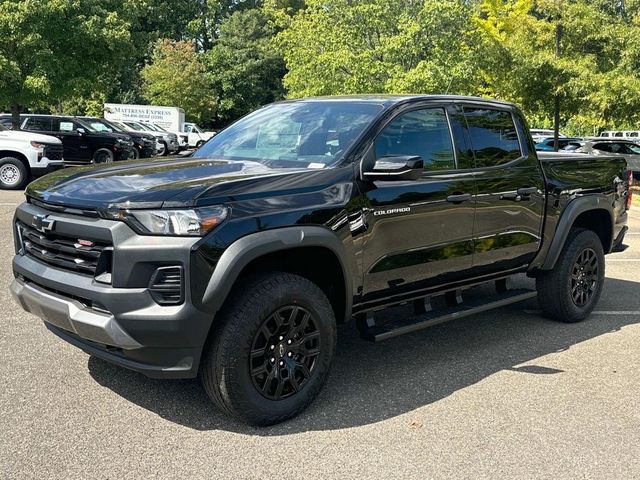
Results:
<point x="79" y="255"/>
<point x="54" y="152"/>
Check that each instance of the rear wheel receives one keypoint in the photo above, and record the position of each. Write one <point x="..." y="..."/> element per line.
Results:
<point x="13" y="173"/>
<point x="200" y="143"/>
<point x="570" y="291"/>
<point x="271" y="350"/>
<point x="103" y="156"/>
<point x="164" y="150"/>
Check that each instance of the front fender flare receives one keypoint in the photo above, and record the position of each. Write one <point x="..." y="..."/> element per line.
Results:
<point x="246" y="249"/>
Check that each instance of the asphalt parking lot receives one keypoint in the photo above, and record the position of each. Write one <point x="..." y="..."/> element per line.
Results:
<point x="505" y="394"/>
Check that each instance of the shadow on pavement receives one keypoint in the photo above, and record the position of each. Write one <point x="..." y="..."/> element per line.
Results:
<point x="370" y="383"/>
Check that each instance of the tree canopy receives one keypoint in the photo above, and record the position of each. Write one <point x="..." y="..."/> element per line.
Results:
<point x="575" y="62"/>
<point x="58" y="48"/>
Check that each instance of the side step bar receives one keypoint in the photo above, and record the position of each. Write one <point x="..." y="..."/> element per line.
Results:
<point x="378" y="333"/>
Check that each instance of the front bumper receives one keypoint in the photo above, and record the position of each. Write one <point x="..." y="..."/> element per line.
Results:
<point x="120" y="322"/>
<point x="173" y="146"/>
<point x="71" y="315"/>
<point x="122" y="153"/>
<point x="147" y="151"/>
<point x="50" y="166"/>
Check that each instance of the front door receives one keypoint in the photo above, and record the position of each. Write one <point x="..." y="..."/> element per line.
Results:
<point x="75" y="143"/>
<point x="419" y="232"/>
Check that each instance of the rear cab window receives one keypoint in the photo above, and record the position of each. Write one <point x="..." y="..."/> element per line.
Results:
<point x="493" y="135"/>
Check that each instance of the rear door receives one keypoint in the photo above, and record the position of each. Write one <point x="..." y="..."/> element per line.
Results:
<point x="419" y="232"/>
<point x="509" y="190"/>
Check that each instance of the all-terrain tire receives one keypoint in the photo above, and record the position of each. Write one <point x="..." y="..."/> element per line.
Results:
<point x="225" y="370"/>
<point x="561" y="294"/>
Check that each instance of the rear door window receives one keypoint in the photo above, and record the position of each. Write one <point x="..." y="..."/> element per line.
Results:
<point x="39" y="124"/>
<point x="419" y="132"/>
<point x="494" y="138"/>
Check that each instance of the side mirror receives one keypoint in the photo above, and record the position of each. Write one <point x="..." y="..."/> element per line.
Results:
<point x="397" y="167"/>
<point x="81" y="131"/>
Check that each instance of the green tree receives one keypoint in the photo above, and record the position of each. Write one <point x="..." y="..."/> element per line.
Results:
<point x="377" y="46"/>
<point x="177" y="77"/>
<point x="204" y="28"/>
<point x="245" y="69"/>
<point x="568" y="63"/>
<point x="56" y="49"/>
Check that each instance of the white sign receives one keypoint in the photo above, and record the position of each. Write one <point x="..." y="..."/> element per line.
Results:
<point x="170" y="118"/>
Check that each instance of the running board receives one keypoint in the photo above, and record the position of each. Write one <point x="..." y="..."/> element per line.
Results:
<point x="378" y="333"/>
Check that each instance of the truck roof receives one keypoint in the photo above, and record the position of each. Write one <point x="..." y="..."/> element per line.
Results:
<point x="391" y="99"/>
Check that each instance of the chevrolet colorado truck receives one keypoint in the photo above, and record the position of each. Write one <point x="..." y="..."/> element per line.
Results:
<point x="236" y="264"/>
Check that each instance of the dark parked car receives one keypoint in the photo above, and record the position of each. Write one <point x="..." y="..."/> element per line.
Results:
<point x="82" y="144"/>
<point x="237" y="264"/>
<point x="144" y="145"/>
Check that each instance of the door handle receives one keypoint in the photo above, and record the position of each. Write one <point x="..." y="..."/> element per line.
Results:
<point x="527" y="190"/>
<point x="458" y="198"/>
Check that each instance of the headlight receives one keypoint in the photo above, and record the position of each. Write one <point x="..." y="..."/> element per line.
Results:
<point x="193" y="222"/>
<point x="38" y="145"/>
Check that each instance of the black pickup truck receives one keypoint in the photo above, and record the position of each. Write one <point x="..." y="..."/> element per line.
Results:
<point x="237" y="263"/>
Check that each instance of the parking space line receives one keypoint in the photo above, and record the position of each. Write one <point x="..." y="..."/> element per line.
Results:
<point x="9" y="204"/>
<point x="623" y="260"/>
<point x="595" y="312"/>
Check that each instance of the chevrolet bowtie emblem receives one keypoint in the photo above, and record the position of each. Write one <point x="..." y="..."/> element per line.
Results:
<point x="42" y="223"/>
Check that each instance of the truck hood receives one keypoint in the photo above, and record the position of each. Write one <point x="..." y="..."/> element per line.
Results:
<point x="173" y="182"/>
<point x="29" y="137"/>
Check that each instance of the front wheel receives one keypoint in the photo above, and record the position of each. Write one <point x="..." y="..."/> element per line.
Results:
<point x="13" y="173"/>
<point x="570" y="291"/>
<point x="271" y="350"/>
<point x="103" y="156"/>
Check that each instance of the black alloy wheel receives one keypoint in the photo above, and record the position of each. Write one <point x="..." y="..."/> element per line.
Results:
<point x="584" y="277"/>
<point x="284" y="352"/>
<point x="570" y="291"/>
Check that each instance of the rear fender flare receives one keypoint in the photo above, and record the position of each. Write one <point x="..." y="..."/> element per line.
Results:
<point x="573" y="210"/>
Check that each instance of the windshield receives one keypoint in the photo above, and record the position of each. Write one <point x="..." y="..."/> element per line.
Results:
<point x="309" y="134"/>
<point x="154" y="127"/>
<point x="99" y="126"/>
<point x="634" y="148"/>
<point x="137" y="126"/>
<point x="86" y="125"/>
<point x="113" y="126"/>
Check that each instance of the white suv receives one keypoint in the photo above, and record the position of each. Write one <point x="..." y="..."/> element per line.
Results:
<point x="24" y="155"/>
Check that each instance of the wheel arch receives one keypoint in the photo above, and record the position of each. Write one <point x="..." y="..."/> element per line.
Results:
<point x="15" y="154"/>
<point x="313" y="252"/>
<point x="592" y="212"/>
